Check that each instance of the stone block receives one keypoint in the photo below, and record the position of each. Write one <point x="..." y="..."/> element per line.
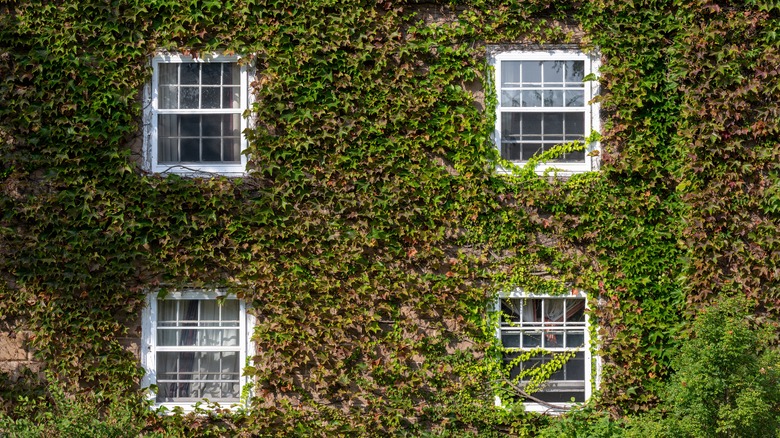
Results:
<point x="12" y="347"/>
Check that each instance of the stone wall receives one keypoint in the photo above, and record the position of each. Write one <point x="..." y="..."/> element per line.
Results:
<point x="15" y="355"/>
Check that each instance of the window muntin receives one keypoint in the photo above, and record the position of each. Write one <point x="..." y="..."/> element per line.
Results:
<point x="556" y="325"/>
<point x="183" y="372"/>
<point x="194" y="347"/>
<point x="196" y="115"/>
<point x="543" y="101"/>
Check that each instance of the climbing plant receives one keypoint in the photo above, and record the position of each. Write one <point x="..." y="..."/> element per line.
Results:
<point x="372" y="230"/>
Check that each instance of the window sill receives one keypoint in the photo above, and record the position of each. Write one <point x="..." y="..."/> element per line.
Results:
<point x="191" y="171"/>
<point x="560" y="409"/>
<point x="170" y="408"/>
<point x="542" y="409"/>
<point x="556" y="169"/>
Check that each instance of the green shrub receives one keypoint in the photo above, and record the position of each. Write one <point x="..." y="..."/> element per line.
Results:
<point x="583" y="423"/>
<point x="726" y="380"/>
<point x="54" y="412"/>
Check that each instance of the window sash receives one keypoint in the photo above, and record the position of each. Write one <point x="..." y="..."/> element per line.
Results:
<point x="555" y="325"/>
<point x="540" y="93"/>
<point x="224" y="94"/>
<point x="189" y="373"/>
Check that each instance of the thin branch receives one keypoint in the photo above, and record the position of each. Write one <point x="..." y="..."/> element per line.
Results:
<point x="519" y="391"/>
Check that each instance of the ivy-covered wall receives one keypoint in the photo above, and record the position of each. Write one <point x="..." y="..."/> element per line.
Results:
<point x="372" y="230"/>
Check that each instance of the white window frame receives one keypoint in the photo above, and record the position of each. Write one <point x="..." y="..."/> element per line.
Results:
<point x="591" y="108"/>
<point x="151" y="152"/>
<point x="149" y="347"/>
<point x="592" y="375"/>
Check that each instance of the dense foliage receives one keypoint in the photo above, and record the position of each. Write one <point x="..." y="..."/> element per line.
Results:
<point x="373" y="231"/>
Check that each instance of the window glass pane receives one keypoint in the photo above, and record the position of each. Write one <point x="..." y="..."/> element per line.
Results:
<point x="167" y="337"/>
<point x="232" y="127"/>
<point x="230" y="150"/>
<point x="211" y="73"/>
<point x="553" y="98"/>
<point x="532" y="126"/>
<point x="510" y="340"/>
<point x="529" y="150"/>
<point x="188" y="337"/>
<point x="190" y="73"/>
<point x="189" y="98"/>
<point x="231" y="74"/>
<point x="553" y="339"/>
<point x="553" y="72"/>
<point x="210" y="338"/>
<point x="167" y="143"/>
<point x="575" y="367"/>
<point x="575" y="310"/>
<point x="212" y="149"/>
<point x="169" y="73"/>
<point x="210" y="97"/>
<point x="559" y="375"/>
<point x="190" y="125"/>
<point x="209" y="313"/>
<point x="510" y="310"/>
<point x="166" y="311"/>
<point x="575" y="126"/>
<point x="510" y="126"/>
<point x="167" y="150"/>
<point x="510" y="74"/>
<point x="554" y="310"/>
<point x="553" y="126"/>
<point x="575" y="98"/>
<point x="166" y="391"/>
<point x="210" y="365"/>
<point x="512" y="98"/>
<point x="190" y="150"/>
<point x="575" y="73"/>
<point x="532" y="310"/>
<point x="230" y="312"/>
<point x="167" y="126"/>
<point x="168" y="97"/>
<point x="167" y="365"/>
<point x="532" y="98"/>
<point x="212" y="126"/>
<point x="193" y="390"/>
<point x="511" y="151"/>
<point x="229" y="364"/>
<point x="211" y="390"/>
<point x="575" y="340"/>
<point x="230" y="338"/>
<point x="532" y="340"/>
<point x="230" y="390"/>
<point x="572" y="157"/>
<point x="230" y="97"/>
<point x="532" y="73"/>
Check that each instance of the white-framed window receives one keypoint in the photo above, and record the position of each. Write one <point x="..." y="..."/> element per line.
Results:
<point x="194" y="347"/>
<point x="547" y="326"/>
<point x="194" y="115"/>
<point x="545" y="99"/>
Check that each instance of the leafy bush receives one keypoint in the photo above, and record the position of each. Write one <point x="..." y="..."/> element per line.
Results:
<point x="583" y="423"/>
<point x="726" y="381"/>
<point x="55" y="413"/>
